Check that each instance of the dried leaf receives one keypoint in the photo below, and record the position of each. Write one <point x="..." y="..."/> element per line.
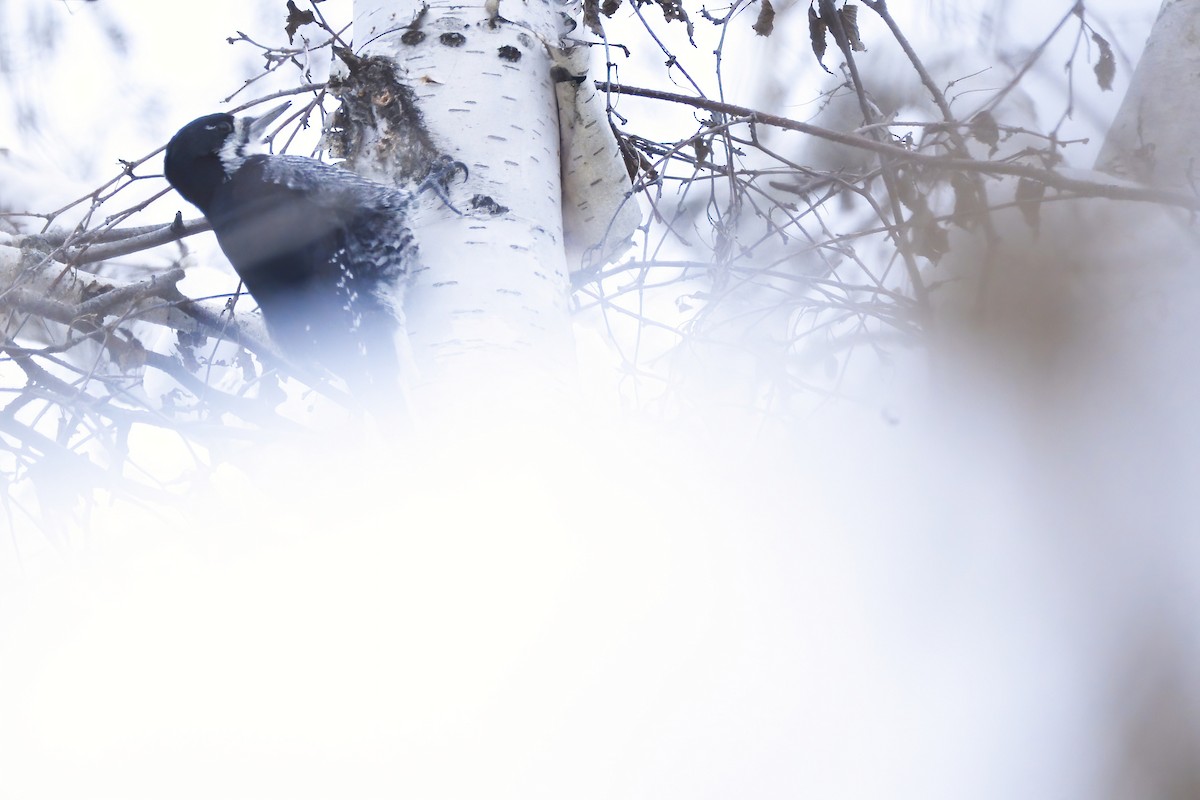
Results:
<point x="295" y="19"/>
<point x="1029" y="199"/>
<point x="1106" y="67"/>
<point x="591" y="17"/>
<point x="985" y="129"/>
<point x="968" y="205"/>
<point x="929" y="239"/>
<point x="635" y="162"/>
<point x="907" y="191"/>
<point x="766" y="19"/>
<point x="609" y="7"/>
<point x="816" y="32"/>
<point x="130" y="355"/>
<point x="672" y="11"/>
<point x="849" y="15"/>
<point x="245" y="363"/>
<point x="186" y="345"/>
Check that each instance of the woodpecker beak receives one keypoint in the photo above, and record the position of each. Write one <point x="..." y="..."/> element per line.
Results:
<point x="257" y="126"/>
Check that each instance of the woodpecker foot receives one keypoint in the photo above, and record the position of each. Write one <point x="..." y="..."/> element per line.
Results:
<point x="438" y="179"/>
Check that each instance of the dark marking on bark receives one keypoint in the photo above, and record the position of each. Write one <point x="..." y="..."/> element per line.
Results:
<point x="412" y="36"/>
<point x="509" y="53"/>
<point x="452" y="39"/>
<point x="559" y="74"/>
<point x="484" y="203"/>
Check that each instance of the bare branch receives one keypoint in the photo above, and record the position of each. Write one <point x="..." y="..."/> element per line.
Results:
<point x="1112" y="189"/>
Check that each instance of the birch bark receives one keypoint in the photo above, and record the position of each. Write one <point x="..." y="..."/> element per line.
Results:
<point x="487" y="313"/>
<point x="1153" y="139"/>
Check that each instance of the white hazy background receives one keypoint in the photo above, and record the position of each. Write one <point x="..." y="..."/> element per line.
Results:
<point x="977" y="587"/>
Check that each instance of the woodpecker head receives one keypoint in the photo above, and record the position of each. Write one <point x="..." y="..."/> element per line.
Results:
<point x="207" y="151"/>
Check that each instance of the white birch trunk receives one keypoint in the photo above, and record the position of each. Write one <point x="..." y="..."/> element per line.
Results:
<point x="1153" y="138"/>
<point x="487" y="312"/>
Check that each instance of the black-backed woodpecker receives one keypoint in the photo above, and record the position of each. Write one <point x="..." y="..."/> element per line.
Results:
<point x="324" y="252"/>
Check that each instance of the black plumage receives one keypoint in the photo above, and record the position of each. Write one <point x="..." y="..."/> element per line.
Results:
<point x="323" y="251"/>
